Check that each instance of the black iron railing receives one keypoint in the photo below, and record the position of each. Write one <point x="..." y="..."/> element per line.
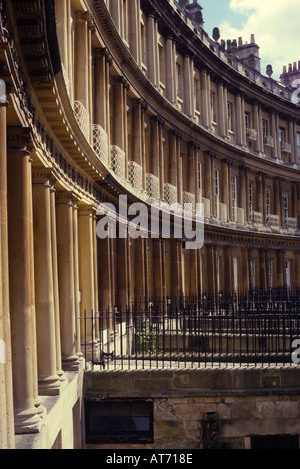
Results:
<point x="240" y="329"/>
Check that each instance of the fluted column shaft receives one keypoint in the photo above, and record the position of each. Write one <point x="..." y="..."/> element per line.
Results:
<point x="44" y="289"/>
<point x="86" y="265"/>
<point x="82" y="59"/>
<point x="7" y="440"/>
<point x="65" y="255"/>
<point x="21" y="285"/>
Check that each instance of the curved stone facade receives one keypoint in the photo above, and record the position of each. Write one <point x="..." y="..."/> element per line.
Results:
<point x="128" y="97"/>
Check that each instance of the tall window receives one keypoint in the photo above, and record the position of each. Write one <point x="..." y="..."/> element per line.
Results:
<point x="179" y="81"/>
<point x="251" y="200"/>
<point x="281" y="135"/>
<point x="268" y="204"/>
<point x="264" y="128"/>
<point x="234" y="197"/>
<point x="298" y="145"/>
<point x="217" y="193"/>
<point x="247" y="120"/>
<point x="285" y="207"/>
<point x="197" y="92"/>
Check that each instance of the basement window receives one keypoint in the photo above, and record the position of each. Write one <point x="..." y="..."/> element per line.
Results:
<point x="119" y="421"/>
<point x="275" y="442"/>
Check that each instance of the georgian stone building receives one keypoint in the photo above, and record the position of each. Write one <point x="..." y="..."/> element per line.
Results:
<point x="126" y="97"/>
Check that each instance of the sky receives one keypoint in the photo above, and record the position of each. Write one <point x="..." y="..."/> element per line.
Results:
<point x="275" y="24"/>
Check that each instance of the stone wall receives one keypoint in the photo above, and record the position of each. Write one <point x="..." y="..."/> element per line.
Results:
<point x="199" y="409"/>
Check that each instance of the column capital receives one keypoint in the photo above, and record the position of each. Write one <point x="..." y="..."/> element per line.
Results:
<point x="19" y="138"/>
<point x="43" y="176"/>
<point x="83" y="16"/>
<point x="86" y="210"/>
<point x="65" y="198"/>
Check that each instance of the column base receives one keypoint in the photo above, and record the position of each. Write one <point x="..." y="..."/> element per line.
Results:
<point x="51" y="386"/>
<point x="29" y="421"/>
<point x="92" y="351"/>
<point x="71" y="363"/>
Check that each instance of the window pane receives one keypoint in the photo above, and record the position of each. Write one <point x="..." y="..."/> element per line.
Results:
<point x="99" y="424"/>
<point x="140" y="424"/>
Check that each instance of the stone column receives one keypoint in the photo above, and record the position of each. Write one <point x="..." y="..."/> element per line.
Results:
<point x="243" y="190"/>
<point x="245" y="270"/>
<point x="65" y="256"/>
<point x="247" y="211"/>
<point x="122" y="273"/>
<point x="176" y="269"/>
<point x="260" y="194"/>
<point x="86" y="268"/>
<point x="228" y="274"/>
<point x="61" y="9"/>
<point x="226" y="187"/>
<point x="135" y="30"/>
<point x="77" y="298"/>
<point x="116" y="14"/>
<point x="263" y="273"/>
<point x="28" y="418"/>
<point x="161" y="159"/>
<point x="140" y="271"/>
<point x="214" y="209"/>
<point x="292" y="142"/>
<point x="257" y="127"/>
<point x="275" y="134"/>
<point x="7" y="440"/>
<point x="239" y="120"/>
<point x="205" y="99"/>
<point x="221" y="106"/>
<point x="157" y="268"/>
<point x="82" y="58"/>
<point x="119" y="114"/>
<point x="277" y="187"/>
<point x="192" y="170"/>
<point x="152" y="50"/>
<point x="49" y="382"/>
<point x="101" y="89"/>
<point x="170" y="69"/>
<point x="188" y="82"/>
<point x="95" y="262"/>
<point x="260" y="129"/>
<point x="212" y="269"/>
<point x="280" y="269"/>
<point x="277" y="138"/>
<point x="226" y="111"/>
<point x="230" y="202"/>
<point x="137" y="131"/>
<point x="60" y="371"/>
<point x="105" y="283"/>
<point x="173" y="158"/>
